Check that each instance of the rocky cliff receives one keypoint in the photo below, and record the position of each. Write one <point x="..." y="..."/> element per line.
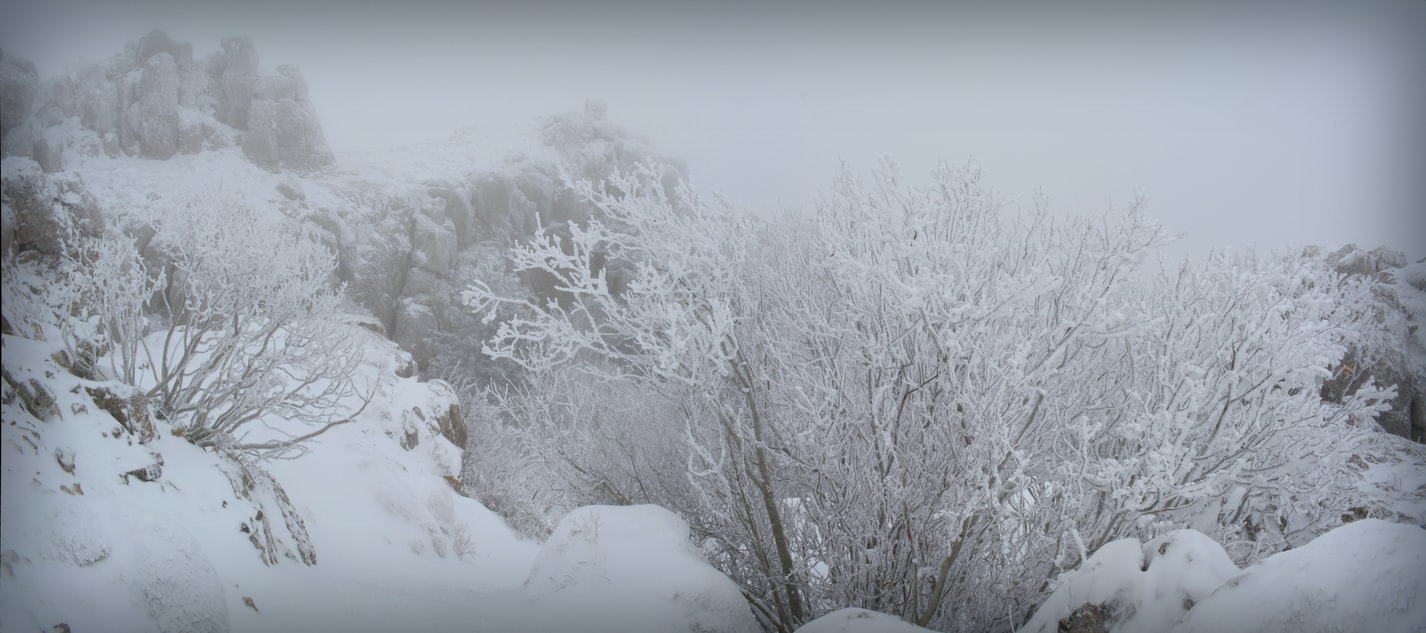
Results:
<point x="155" y="100"/>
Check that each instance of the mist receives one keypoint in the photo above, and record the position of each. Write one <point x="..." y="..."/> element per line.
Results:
<point x="1273" y="127"/>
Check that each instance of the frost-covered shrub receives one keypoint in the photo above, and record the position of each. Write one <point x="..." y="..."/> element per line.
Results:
<point x="236" y="324"/>
<point x="927" y="402"/>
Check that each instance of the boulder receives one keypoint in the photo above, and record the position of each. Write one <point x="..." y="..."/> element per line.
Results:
<point x="415" y="328"/>
<point x="433" y="243"/>
<point x="235" y="72"/>
<point x="153" y="117"/>
<point x="19" y="83"/>
<point x="283" y="129"/>
<point x="159" y="43"/>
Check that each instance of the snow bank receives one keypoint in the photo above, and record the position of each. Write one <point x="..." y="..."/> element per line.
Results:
<point x="1140" y="587"/>
<point x="627" y="569"/>
<point x="87" y="544"/>
<point x="859" y="621"/>
<point x="1368" y="575"/>
<point x="1364" y="576"/>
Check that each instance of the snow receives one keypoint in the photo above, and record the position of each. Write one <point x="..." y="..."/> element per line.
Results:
<point x="1368" y="575"/>
<point x="855" y="620"/>
<point x="394" y="543"/>
<point x="627" y="569"/>
<point x="396" y="547"/>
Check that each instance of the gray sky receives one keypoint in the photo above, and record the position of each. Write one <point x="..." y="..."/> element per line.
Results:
<point x="1274" y="126"/>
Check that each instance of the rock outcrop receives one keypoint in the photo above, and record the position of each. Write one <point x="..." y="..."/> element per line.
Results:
<point x="19" y="83"/>
<point x="154" y="100"/>
<point x="1386" y="358"/>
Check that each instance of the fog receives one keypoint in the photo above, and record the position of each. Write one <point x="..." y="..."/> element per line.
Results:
<point x="1270" y="126"/>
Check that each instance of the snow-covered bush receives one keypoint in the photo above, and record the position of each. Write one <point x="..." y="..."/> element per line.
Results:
<point x="236" y="322"/>
<point x="927" y="402"/>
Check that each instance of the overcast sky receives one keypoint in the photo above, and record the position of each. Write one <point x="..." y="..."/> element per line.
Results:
<point x="1273" y="126"/>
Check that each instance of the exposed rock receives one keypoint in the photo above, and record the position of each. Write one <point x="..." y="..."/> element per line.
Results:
<point x="33" y="394"/>
<point x="283" y="130"/>
<point x="433" y="243"/>
<point x="410" y="429"/>
<point x="49" y="153"/>
<point x="149" y="473"/>
<point x="1090" y="618"/>
<point x="154" y="117"/>
<point x="64" y="456"/>
<point x="1385" y="360"/>
<point x="130" y="410"/>
<point x="452" y="425"/>
<point x="235" y="70"/>
<point x="131" y="105"/>
<point x="159" y="43"/>
<point x="274" y="540"/>
<point x="457" y="208"/>
<point x="145" y="466"/>
<point x="415" y="329"/>
<point x="19" y="83"/>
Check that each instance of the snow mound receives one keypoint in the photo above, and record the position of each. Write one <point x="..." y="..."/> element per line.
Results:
<point x="628" y="569"/>
<point x="1367" y="575"/>
<point x="1138" y="587"/>
<point x="1364" y="576"/>
<point x="859" y="621"/>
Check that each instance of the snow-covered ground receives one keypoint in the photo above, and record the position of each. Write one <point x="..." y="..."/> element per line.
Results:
<point x="108" y="527"/>
<point x="395" y="547"/>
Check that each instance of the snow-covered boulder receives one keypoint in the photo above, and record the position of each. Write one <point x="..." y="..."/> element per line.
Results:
<point x="859" y="621"/>
<point x="629" y="569"/>
<point x="1368" y="575"/>
<point x="283" y="128"/>
<point x="1128" y="587"/>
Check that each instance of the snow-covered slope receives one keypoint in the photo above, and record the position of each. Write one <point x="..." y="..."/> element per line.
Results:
<point x="211" y="542"/>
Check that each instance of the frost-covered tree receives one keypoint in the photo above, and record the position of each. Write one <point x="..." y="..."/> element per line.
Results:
<point x="233" y="321"/>
<point x="925" y="401"/>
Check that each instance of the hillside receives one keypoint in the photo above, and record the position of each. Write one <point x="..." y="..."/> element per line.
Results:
<point x="523" y="381"/>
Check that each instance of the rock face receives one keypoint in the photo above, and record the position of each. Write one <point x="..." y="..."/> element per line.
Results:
<point x="1388" y="359"/>
<point x="39" y="211"/>
<point x="19" y="83"/>
<point x="154" y="117"/>
<point x="155" y="101"/>
<point x="282" y="128"/>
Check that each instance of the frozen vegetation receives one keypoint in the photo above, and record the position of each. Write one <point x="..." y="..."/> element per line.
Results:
<point x="528" y="381"/>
